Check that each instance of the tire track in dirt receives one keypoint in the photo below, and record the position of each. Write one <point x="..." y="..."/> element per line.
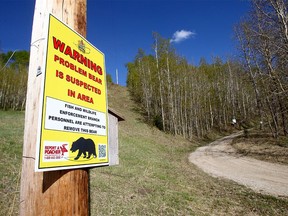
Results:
<point x="220" y="159"/>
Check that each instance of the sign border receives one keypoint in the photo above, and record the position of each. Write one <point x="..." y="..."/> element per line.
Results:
<point x="42" y="108"/>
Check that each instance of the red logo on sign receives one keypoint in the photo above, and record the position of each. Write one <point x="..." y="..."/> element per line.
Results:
<point x="63" y="149"/>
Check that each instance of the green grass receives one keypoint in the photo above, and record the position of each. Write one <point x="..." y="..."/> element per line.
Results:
<point x="11" y="142"/>
<point x="154" y="176"/>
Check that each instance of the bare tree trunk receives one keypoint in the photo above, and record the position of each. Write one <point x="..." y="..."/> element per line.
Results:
<point x="160" y="82"/>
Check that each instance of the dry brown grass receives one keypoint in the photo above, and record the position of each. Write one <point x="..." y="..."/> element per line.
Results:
<point x="262" y="146"/>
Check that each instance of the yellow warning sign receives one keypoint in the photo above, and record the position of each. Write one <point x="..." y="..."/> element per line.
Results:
<point x="73" y="130"/>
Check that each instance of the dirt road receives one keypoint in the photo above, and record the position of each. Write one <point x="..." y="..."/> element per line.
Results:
<point x="219" y="159"/>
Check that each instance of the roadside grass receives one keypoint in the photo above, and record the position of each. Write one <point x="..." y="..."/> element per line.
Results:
<point x="11" y="142"/>
<point x="154" y="176"/>
<point x="262" y="146"/>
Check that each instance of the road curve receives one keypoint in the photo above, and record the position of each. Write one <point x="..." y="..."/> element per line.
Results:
<point x="220" y="159"/>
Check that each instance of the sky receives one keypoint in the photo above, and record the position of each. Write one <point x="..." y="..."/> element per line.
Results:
<point x="118" y="28"/>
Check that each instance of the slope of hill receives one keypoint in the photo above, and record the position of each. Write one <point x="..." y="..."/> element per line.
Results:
<point x="154" y="176"/>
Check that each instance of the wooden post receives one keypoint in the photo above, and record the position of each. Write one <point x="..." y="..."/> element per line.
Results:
<point x="55" y="192"/>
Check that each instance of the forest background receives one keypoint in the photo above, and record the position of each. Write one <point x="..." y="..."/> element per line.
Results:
<point x="190" y="100"/>
<point x="193" y="100"/>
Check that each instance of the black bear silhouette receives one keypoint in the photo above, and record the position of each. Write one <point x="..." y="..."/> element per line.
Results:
<point x="84" y="146"/>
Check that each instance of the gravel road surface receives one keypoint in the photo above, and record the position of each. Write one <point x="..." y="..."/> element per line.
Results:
<point x="220" y="159"/>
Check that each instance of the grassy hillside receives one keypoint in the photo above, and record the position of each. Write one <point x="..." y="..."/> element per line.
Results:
<point x="154" y="176"/>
